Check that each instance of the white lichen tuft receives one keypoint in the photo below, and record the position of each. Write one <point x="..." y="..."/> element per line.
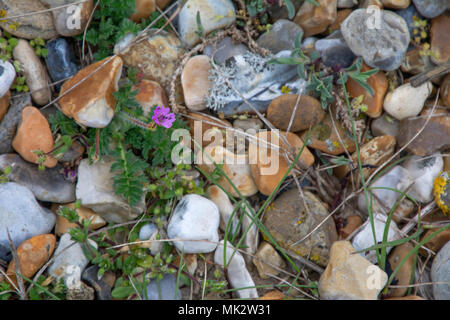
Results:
<point x="220" y="90"/>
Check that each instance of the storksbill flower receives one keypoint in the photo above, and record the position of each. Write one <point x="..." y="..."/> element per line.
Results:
<point x="163" y="117"/>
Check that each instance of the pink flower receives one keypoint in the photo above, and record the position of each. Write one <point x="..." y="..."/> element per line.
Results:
<point x="163" y="117"/>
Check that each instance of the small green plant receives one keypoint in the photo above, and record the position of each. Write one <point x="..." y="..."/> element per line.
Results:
<point x="7" y="44"/>
<point x="6" y="290"/>
<point x="20" y="83"/>
<point x="43" y="290"/>
<point x="39" y="47"/>
<point x="4" y="176"/>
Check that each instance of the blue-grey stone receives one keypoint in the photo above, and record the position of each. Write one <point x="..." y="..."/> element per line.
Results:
<point x="224" y="49"/>
<point x="382" y="42"/>
<point x="21" y="214"/>
<point x="147" y="231"/>
<point x="256" y="80"/>
<point x="281" y="36"/>
<point x="165" y="289"/>
<point x="102" y="289"/>
<point x="431" y="8"/>
<point x="61" y="63"/>
<point x="408" y="14"/>
<point x="440" y="272"/>
<point x="47" y="185"/>
<point x="335" y="51"/>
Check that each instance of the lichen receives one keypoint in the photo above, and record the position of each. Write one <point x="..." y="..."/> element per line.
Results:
<point x="441" y="190"/>
<point x="221" y="75"/>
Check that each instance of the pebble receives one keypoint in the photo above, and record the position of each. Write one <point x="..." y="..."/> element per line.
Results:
<point x="375" y="152"/>
<point x="7" y="76"/>
<point x="350" y="225"/>
<point x="273" y="295"/>
<point x="195" y="218"/>
<point x="278" y="11"/>
<point x="265" y="259"/>
<point x="315" y="20"/>
<point x="384" y="125"/>
<point x="440" y="39"/>
<point x="440" y="272"/>
<point x="224" y="49"/>
<point x="95" y="190"/>
<point x="268" y="166"/>
<point x="431" y="8"/>
<point x="309" y="112"/>
<point x="434" y="137"/>
<point x="445" y="91"/>
<point x="341" y="16"/>
<point x="32" y="254"/>
<point x="438" y="241"/>
<point x="61" y="63"/>
<point x="164" y="289"/>
<point x="309" y="44"/>
<point x="29" y="26"/>
<point x="235" y="166"/>
<point x="367" y="3"/>
<point x="248" y="124"/>
<point x="214" y="14"/>
<point x="442" y="191"/>
<point x="4" y="104"/>
<point x="69" y="261"/>
<point x="102" y="289"/>
<point x="257" y="81"/>
<point x="144" y="8"/>
<point x="280" y="36"/>
<point x="251" y="238"/>
<point x="63" y="225"/>
<point x="408" y="14"/>
<point x="195" y="82"/>
<point x="157" y="58"/>
<point x="412" y="297"/>
<point x="335" y="51"/>
<point x="403" y="275"/>
<point x="346" y="3"/>
<point x="22" y="215"/>
<point x="397" y="178"/>
<point x="288" y="221"/>
<point x="48" y="185"/>
<point x="379" y="83"/>
<point x="324" y="137"/>
<point x="73" y="154"/>
<point x="8" y="125"/>
<point x="204" y="123"/>
<point x="416" y="62"/>
<point x="81" y="291"/>
<point x="347" y="276"/>
<point x="35" y="73"/>
<point x="424" y="171"/>
<point x="396" y="4"/>
<point x="33" y="134"/>
<point x="384" y="48"/>
<point x="150" y="93"/>
<point x="223" y="203"/>
<point x="91" y="103"/>
<point x="150" y="231"/>
<point x="364" y="238"/>
<point x="238" y="274"/>
<point x="70" y="21"/>
<point x="407" y="101"/>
